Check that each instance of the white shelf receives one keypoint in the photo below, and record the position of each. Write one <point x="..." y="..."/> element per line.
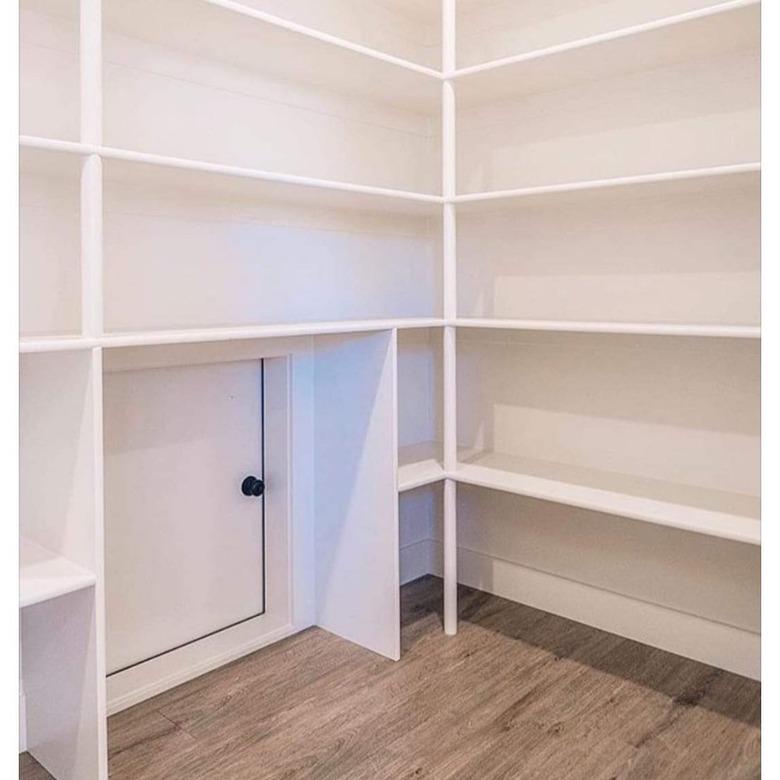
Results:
<point x="248" y="38"/>
<point x="198" y="335"/>
<point x="634" y="328"/>
<point x="304" y="189"/>
<point x="654" y="183"/>
<point x="419" y="464"/>
<point x="323" y="37"/>
<point x="688" y="508"/>
<point x="702" y="33"/>
<point x="43" y="575"/>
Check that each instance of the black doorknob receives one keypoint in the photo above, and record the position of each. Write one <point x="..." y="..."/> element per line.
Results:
<point x="252" y="486"/>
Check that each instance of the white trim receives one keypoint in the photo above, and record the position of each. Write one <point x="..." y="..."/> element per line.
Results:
<point x="708" y="641"/>
<point x="122" y="698"/>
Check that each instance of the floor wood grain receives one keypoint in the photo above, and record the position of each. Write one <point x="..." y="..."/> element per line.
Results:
<point x="518" y="693"/>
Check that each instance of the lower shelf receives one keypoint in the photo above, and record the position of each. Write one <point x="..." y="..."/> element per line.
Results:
<point x="714" y="513"/>
<point x="419" y="464"/>
<point x="44" y="575"/>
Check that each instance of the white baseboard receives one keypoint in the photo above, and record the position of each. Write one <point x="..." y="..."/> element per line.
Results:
<point x="417" y="560"/>
<point x="179" y="666"/>
<point x="717" y="644"/>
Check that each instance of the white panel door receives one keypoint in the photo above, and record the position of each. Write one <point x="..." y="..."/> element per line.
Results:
<point x="184" y="545"/>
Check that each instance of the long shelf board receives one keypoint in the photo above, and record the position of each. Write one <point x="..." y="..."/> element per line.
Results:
<point x="43" y="575"/>
<point x="419" y="464"/>
<point x="718" y="175"/>
<point x="631" y="328"/>
<point x="717" y="28"/>
<point x="324" y="37"/>
<point x="708" y="512"/>
<point x="337" y="194"/>
<point x="196" y="335"/>
<point x="252" y="40"/>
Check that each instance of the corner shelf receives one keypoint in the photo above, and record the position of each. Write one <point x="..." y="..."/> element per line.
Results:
<point x="198" y="335"/>
<point x="44" y="575"/>
<point x="324" y="192"/>
<point x="418" y="465"/>
<point x="652" y="45"/>
<point x="316" y="35"/>
<point x="710" y="512"/>
<point x="661" y="183"/>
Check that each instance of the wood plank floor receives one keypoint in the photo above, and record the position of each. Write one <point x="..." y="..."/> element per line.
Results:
<point x="518" y="693"/>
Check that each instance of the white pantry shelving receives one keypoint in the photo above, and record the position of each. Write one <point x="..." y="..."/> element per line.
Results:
<point x="44" y="575"/>
<point x="503" y="282"/>
<point x="706" y="511"/>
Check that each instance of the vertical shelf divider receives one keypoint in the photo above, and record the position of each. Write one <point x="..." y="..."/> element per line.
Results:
<point x="449" y="281"/>
<point x="91" y="89"/>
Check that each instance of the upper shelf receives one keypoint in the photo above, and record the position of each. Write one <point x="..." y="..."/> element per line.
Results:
<point x="699" y="180"/>
<point x="244" y="37"/>
<point x="233" y="181"/>
<point x="43" y="575"/>
<point x="707" y="32"/>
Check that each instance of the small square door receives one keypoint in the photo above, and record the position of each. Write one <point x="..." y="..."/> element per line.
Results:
<point x="184" y="542"/>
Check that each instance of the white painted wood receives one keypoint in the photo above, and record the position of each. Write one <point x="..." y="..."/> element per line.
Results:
<point x="401" y="29"/>
<point x="223" y="253"/>
<point x="179" y="442"/>
<point x="708" y="641"/>
<point x="198" y="336"/>
<point x="752" y="332"/>
<point x="419" y="464"/>
<point x="288" y="507"/>
<point x="59" y="659"/>
<point x="420" y="391"/>
<point x="356" y="507"/>
<point x="44" y="575"/>
<point x="49" y="103"/>
<point x="712" y="29"/>
<point x="98" y="509"/>
<point x="680" y="256"/>
<point x="606" y="196"/>
<point x="718" y="513"/>
<point x="504" y="29"/>
<point x="49" y="262"/>
<point x="681" y="97"/>
<point x="56" y="439"/>
<point x="91" y="70"/>
<point x="642" y="427"/>
<point x="354" y="118"/>
<point x="92" y="245"/>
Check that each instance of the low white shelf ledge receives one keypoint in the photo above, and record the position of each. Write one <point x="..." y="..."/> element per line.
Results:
<point x="44" y="575"/>
<point x="636" y="328"/>
<point x="198" y="335"/>
<point x="419" y="464"/>
<point x="699" y="510"/>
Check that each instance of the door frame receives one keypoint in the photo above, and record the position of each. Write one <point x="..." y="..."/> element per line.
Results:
<point x="288" y="512"/>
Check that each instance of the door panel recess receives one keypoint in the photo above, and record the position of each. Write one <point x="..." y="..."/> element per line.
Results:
<point x="185" y="551"/>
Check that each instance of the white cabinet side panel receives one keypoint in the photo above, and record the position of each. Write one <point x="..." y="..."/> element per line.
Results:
<point x="356" y="508"/>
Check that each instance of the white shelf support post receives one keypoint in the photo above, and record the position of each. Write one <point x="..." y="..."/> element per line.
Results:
<point x="449" y="296"/>
<point x="91" y="73"/>
<point x="91" y="171"/>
